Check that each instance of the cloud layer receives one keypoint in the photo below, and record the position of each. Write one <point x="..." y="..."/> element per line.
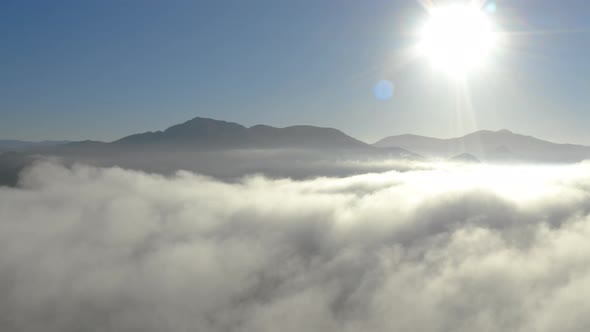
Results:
<point x="445" y="248"/>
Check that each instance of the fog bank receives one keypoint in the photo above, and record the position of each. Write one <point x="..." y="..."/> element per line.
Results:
<point x="447" y="247"/>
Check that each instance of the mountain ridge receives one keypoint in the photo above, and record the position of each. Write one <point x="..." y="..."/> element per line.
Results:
<point x="206" y="132"/>
<point x="500" y="145"/>
<point x="477" y="132"/>
<point x="19" y="145"/>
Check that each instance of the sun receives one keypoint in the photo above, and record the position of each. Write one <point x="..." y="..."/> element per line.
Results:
<point x="457" y="38"/>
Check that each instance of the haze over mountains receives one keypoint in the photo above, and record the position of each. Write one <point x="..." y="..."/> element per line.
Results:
<point x="212" y="134"/>
<point x="502" y="145"/>
<point x="205" y="134"/>
<point x="226" y="150"/>
<point x="209" y="134"/>
<point x="15" y="145"/>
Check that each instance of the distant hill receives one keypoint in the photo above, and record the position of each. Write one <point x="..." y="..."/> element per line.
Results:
<point x="502" y="145"/>
<point x="203" y="133"/>
<point x="228" y="150"/>
<point x="14" y="145"/>
<point x="221" y="149"/>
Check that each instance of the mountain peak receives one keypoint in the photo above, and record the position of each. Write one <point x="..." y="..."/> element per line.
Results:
<point x="215" y="134"/>
<point x="486" y="132"/>
<point x="204" y="124"/>
<point x="498" y="145"/>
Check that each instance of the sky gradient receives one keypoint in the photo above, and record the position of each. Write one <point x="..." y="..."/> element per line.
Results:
<point x="105" y="69"/>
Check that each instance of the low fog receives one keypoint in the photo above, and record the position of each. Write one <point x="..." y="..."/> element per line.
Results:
<point x="224" y="164"/>
<point x="437" y="247"/>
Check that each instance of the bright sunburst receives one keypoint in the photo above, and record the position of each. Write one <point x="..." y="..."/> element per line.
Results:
<point x="457" y="38"/>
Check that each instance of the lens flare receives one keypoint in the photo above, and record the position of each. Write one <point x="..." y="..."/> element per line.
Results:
<point x="383" y="90"/>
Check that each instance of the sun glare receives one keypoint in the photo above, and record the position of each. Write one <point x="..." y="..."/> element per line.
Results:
<point x="457" y="38"/>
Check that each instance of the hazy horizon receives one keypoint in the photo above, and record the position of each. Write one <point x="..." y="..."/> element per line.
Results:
<point x="301" y="124"/>
<point x="101" y="70"/>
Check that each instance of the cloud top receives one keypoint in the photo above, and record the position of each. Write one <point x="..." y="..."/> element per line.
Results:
<point x="446" y="248"/>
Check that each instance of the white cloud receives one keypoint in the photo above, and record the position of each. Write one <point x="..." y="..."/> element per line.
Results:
<point x="440" y="248"/>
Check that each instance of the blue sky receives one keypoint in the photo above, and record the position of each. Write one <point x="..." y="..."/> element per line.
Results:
<point x="104" y="69"/>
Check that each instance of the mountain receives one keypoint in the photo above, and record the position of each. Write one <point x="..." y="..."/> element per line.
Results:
<point x="203" y="133"/>
<point x="221" y="149"/>
<point x="502" y="145"/>
<point x="228" y="150"/>
<point x="466" y="158"/>
<point x="14" y="145"/>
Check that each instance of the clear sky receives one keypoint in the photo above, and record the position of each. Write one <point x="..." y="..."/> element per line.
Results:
<point x="102" y="69"/>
